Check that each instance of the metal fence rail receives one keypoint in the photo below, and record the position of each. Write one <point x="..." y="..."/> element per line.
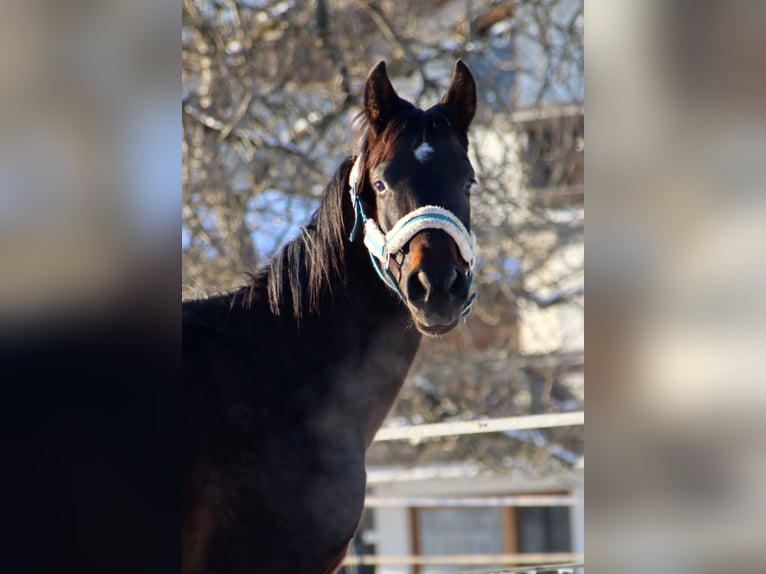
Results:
<point x="521" y="562"/>
<point x="529" y="422"/>
<point x="526" y="500"/>
<point x="539" y="569"/>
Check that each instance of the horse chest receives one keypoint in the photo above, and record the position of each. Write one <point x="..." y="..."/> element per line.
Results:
<point x="307" y="498"/>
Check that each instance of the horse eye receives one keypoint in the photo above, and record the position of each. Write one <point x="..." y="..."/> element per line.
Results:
<point x="380" y="186"/>
<point x="469" y="184"/>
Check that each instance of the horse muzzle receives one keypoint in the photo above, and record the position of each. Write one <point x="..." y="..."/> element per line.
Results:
<point x="437" y="283"/>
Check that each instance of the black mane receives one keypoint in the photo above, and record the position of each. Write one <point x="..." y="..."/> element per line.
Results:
<point x="312" y="262"/>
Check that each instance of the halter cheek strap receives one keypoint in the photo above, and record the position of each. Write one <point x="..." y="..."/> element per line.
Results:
<point x="382" y="246"/>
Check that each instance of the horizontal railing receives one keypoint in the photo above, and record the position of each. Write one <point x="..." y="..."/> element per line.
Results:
<point x="529" y="422"/>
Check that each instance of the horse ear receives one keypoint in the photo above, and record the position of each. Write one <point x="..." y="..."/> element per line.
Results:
<point x="381" y="102"/>
<point x="461" y="95"/>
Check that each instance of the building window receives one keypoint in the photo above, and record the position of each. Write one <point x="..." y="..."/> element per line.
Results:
<point x="491" y="530"/>
<point x="443" y="531"/>
<point x="544" y="529"/>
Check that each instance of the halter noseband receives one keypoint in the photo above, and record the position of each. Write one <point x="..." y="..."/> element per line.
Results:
<point x="382" y="246"/>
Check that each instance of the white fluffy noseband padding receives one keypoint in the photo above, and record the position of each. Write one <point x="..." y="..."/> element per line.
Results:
<point x="422" y="219"/>
<point x="427" y="217"/>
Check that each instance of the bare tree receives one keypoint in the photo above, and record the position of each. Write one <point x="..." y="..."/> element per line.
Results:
<point x="270" y="91"/>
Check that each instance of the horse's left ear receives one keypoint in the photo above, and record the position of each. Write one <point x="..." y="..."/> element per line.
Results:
<point x="461" y="95"/>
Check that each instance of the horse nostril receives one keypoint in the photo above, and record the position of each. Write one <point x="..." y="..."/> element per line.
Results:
<point x="457" y="285"/>
<point x="448" y="284"/>
<point x="418" y="287"/>
<point x="451" y="281"/>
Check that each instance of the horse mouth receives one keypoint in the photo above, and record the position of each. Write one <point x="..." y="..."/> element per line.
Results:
<point x="435" y="330"/>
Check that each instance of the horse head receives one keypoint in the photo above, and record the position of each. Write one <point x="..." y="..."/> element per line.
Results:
<point x="411" y="186"/>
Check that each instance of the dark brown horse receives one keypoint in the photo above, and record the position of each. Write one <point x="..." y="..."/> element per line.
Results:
<point x="288" y="379"/>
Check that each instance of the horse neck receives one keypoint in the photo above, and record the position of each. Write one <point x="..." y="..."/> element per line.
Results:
<point x="354" y="332"/>
<point x="390" y="342"/>
<point x="370" y="343"/>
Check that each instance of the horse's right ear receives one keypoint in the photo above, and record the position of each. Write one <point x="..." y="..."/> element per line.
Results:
<point x="381" y="102"/>
<point x="461" y="95"/>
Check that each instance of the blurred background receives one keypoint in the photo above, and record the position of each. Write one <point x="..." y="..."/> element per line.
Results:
<point x="676" y="322"/>
<point x="91" y="244"/>
<point x="270" y="91"/>
<point x="90" y="183"/>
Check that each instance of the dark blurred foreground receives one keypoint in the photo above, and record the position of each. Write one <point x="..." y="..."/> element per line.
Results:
<point x="90" y="182"/>
<point x="90" y="478"/>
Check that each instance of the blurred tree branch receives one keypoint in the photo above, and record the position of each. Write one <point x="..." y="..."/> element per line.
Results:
<point x="270" y="88"/>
